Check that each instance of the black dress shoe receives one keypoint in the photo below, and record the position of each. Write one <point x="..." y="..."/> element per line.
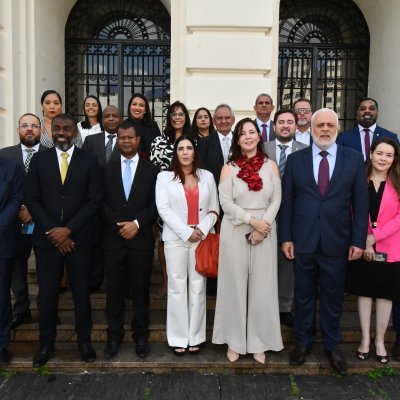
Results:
<point x="298" y="355"/>
<point x="111" y="349"/>
<point x="87" y="352"/>
<point x="42" y="356"/>
<point x="337" y="361"/>
<point x="5" y="357"/>
<point x="19" y="319"/>
<point x="396" y="351"/>
<point x="286" y="319"/>
<point x="142" y="349"/>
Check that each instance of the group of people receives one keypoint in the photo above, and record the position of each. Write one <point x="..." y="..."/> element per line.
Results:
<point x="306" y="213"/>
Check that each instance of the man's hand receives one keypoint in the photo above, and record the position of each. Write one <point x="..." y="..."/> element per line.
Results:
<point x="58" y="235"/>
<point x="196" y="236"/>
<point x="288" y="250"/>
<point x="24" y="215"/>
<point x="66" y="247"/>
<point x="354" y="253"/>
<point x="128" y="229"/>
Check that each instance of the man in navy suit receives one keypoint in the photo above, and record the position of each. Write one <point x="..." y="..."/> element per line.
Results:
<point x="362" y="136"/>
<point x="10" y="202"/>
<point x="322" y="224"/>
<point x="29" y="132"/>
<point x="63" y="192"/>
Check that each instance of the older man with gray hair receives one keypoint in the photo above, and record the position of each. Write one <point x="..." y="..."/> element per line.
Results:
<point x="263" y="107"/>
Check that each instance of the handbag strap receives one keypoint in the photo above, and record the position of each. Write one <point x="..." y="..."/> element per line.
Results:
<point x="218" y="223"/>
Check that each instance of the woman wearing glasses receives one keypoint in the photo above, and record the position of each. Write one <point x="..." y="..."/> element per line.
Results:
<point x="161" y="151"/>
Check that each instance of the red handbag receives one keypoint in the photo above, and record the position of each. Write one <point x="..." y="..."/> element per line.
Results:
<point x="207" y="253"/>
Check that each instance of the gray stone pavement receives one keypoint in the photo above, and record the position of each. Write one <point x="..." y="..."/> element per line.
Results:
<point x="118" y="386"/>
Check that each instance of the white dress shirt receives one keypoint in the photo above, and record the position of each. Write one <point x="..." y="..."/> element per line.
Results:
<point x="106" y="138"/>
<point x="288" y="149"/>
<point x="25" y="154"/>
<point x="303" y="137"/>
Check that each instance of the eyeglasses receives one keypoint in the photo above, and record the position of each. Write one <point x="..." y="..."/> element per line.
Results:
<point x="178" y="115"/>
<point x="26" y="126"/>
<point x="302" y="110"/>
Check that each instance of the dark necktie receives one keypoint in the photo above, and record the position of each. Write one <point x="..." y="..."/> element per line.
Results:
<point x="367" y="144"/>
<point x="323" y="173"/>
<point x="28" y="159"/>
<point x="264" y="135"/>
<point x="282" y="158"/>
<point x="109" y="146"/>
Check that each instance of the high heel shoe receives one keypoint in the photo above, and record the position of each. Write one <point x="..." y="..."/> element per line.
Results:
<point x="232" y="355"/>
<point x="259" y="357"/>
<point x="364" y="356"/>
<point x="382" y="359"/>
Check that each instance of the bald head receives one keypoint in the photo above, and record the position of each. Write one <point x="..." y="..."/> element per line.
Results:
<point x="111" y="119"/>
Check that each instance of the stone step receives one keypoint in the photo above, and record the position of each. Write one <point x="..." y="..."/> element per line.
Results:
<point x="65" y="331"/>
<point x="211" y="359"/>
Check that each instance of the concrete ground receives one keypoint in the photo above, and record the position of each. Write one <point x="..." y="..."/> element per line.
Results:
<point x="118" y="386"/>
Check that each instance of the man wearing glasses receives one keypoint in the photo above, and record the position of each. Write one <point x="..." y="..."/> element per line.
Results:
<point x="302" y="107"/>
<point x="29" y="132"/>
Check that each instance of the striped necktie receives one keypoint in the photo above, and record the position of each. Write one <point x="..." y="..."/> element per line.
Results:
<point x="282" y="158"/>
<point x="28" y="159"/>
<point x="109" y="146"/>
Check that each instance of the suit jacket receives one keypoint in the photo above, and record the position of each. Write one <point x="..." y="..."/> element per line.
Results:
<point x="72" y="204"/>
<point x="140" y="205"/>
<point x="351" y="137"/>
<point x="270" y="148"/>
<point x="332" y="222"/>
<point x="387" y="231"/>
<point x="211" y="154"/>
<point x="95" y="144"/>
<point x="173" y="209"/>
<point x="10" y="203"/>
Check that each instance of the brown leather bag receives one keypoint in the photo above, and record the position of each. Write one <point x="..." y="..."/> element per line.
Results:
<point x="207" y="253"/>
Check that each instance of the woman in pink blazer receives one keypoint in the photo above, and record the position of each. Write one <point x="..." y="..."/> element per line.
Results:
<point x="378" y="274"/>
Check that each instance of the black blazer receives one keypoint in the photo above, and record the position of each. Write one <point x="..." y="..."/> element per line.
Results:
<point x="141" y="205"/>
<point x="72" y="204"/>
<point x="95" y="144"/>
<point x="211" y="155"/>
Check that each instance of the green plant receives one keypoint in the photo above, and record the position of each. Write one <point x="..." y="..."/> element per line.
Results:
<point x="147" y="394"/>
<point x="376" y="373"/>
<point x="295" y="389"/>
<point x="7" y="373"/>
<point x="42" y="371"/>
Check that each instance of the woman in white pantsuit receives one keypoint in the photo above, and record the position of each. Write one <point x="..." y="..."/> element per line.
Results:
<point x="187" y="202"/>
<point x="247" y="310"/>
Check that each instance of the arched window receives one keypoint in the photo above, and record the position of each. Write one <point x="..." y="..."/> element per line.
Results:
<point x="323" y="55"/>
<point x="114" y="49"/>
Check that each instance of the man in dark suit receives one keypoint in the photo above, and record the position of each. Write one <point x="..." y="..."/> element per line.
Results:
<point x="63" y="192"/>
<point x="29" y="135"/>
<point x="10" y="203"/>
<point x="322" y="224"/>
<point x="278" y="150"/>
<point x="362" y="136"/>
<point x="129" y="211"/>
<point x="103" y="146"/>
<point x="303" y="109"/>
<point x="263" y="107"/>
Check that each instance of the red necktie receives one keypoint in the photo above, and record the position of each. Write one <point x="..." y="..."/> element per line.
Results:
<point x="323" y="173"/>
<point x="367" y="144"/>
<point x="264" y="133"/>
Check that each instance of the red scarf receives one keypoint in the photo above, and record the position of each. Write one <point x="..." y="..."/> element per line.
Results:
<point x="249" y="168"/>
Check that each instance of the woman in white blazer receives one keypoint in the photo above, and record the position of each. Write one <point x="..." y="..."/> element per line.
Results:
<point x="187" y="202"/>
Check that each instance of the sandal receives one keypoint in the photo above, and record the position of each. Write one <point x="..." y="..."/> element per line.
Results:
<point x="195" y="349"/>
<point x="179" y="351"/>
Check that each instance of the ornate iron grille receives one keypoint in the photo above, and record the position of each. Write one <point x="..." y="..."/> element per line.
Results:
<point x="117" y="54"/>
<point x="323" y="56"/>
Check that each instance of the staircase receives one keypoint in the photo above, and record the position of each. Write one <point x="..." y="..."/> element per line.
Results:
<point x="212" y="358"/>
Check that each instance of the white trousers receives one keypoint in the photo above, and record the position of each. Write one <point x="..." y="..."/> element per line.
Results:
<point x="186" y="314"/>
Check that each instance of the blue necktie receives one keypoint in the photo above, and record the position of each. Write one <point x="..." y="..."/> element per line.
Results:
<point x="282" y="158"/>
<point x="127" y="178"/>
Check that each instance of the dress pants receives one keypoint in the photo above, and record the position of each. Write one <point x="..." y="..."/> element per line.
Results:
<point x="5" y="302"/>
<point x="134" y="267"/>
<point x="285" y="283"/>
<point x="19" y="282"/>
<point x="186" y="313"/>
<point x="50" y="269"/>
<point x="331" y="273"/>
<point x="97" y="266"/>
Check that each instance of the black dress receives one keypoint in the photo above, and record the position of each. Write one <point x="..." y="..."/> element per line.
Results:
<point x="373" y="278"/>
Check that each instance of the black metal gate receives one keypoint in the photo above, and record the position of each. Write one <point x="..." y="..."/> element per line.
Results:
<point x="323" y="56"/>
<point x="116" y="56"/>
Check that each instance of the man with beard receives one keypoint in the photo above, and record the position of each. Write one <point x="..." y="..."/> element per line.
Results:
<point x="302" y="108"/>
<point x="362" y="136"/>
<point x="29" y="135"/>
<point x="278" y="150"/>
<point x="63" y="193"/>
<point x="323" y="223"/>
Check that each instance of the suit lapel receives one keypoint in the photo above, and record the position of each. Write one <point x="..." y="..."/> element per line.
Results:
<point x="217" y="145"/>
<point x="309" y="168"/>
<point x="72" y="165"/>
<point x="100" y="143"/>
<point x="137" y="179"/>
<point x="338" y="169"/>
<point x="357" y="139"/>
<point x="377" y="134"/>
